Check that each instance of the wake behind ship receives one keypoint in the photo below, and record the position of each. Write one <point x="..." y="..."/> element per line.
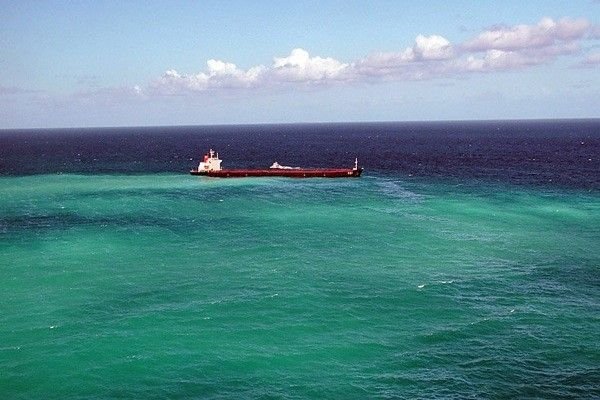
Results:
<point x="211" y="166"/>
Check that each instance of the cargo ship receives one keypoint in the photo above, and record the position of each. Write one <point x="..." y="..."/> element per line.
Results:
<point x="210" y="165"/>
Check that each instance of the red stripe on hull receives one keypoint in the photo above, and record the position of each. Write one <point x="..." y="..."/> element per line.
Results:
<point x="288" y="173"/>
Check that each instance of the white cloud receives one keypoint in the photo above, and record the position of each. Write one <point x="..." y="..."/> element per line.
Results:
<point x="495" y="60"/>
<point x="432" y="47"/>
<point x="299" y="66"/>
<point x="500" y="48"/>
<point x="416" y="62"/>
<point x="545" y="33"/>
<point x="382" y="64"/>
<point x="521" y="46"/>
<point x="219" y="74"/>
<point x="498" y="60"/>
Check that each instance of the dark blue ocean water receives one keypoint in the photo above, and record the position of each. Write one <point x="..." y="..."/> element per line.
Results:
<point x="563" y="152"/>
<point x="464" y="263"/>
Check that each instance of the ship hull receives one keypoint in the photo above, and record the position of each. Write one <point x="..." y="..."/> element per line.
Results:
<point x="288" y="173"/>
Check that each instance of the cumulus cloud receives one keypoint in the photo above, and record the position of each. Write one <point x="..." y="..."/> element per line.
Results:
<point x="384" y="64"/>
<point x="545" y="33"/>
<point x="500" y="48"/>
<point x="522" y="46"/>
<point x="432" y="47"/>
<point x="498" y="60"/>
<point x="219" y="74"/>
<point x="299" y="66"/>
<point x="495" y="60"/>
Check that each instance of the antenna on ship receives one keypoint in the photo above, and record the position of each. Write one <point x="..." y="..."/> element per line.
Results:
<point x="356" y="163"/>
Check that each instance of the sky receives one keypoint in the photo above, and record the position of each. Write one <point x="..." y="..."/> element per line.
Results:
<point x="148" y="63"/>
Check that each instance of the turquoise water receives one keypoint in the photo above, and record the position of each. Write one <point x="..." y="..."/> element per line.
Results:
<point x="173" y="286"/>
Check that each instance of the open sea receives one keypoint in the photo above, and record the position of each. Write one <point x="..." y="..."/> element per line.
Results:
<point x="464" y="263"/>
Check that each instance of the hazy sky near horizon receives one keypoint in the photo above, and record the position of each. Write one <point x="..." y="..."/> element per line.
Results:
<point x="115" y="63"/>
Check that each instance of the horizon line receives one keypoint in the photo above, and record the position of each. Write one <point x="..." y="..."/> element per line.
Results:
<point x="307" y="123"/>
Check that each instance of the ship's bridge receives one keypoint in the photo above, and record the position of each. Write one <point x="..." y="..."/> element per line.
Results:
<point x="210" y="162"/>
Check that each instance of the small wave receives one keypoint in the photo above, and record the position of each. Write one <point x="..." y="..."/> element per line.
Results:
<point x="10" y="348"/>
<point x="449" y="282"/>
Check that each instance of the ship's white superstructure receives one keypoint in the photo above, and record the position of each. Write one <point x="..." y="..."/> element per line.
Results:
<point x="210" y="162"/>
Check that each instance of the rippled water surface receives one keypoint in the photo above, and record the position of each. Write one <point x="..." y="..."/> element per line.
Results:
<point x="457" y="266"/>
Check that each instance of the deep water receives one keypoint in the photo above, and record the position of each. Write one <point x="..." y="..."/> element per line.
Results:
<point x="465" y="263"/>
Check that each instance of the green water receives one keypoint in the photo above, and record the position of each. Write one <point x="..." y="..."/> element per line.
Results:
<point x="172" y="286"/>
